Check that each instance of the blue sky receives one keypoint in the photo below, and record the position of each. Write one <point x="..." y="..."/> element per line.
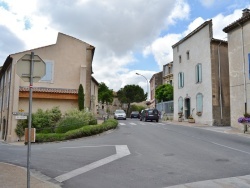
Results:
<point x="129" y="36"/>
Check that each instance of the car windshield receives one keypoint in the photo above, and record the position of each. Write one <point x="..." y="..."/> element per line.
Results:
<point x="135" y="112"/>
<point x="119" y="111"/>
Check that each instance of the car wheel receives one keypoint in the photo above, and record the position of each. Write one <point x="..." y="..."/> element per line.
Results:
<point x="157" y="120"/>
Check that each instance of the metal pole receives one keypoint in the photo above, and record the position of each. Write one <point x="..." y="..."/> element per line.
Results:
<point x="30" y="118"/>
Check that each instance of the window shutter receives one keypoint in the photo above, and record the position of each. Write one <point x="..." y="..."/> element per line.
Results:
<point x="179" y="80"/>
<point x="200" y="73"/>
<point x="48" y="74"/>
<point x="199" y="102"/>
<point x="182" y="79"/>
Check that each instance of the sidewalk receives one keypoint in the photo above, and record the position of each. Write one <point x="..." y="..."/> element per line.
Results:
<point x="223" y="129"/>
<point x="13" y="176"/>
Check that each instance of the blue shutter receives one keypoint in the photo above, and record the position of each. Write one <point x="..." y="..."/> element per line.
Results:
<point x="182" y="80"/>
<point x="48" y="74"/>
<point x="179" y="80"/>
<point x="199" y="102"/>
<point x="200" y="73"/>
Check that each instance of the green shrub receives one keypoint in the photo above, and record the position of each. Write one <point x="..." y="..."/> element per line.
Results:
<point x="69" y="123"/>
<point x="21" y="125"/>
<point x="45" y="121"/>
<point x="84" y="131"/>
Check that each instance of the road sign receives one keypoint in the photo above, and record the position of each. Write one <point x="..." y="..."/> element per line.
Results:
<point x="23" y="68"/>
<point x="21" y="117"/>
<point x="20" y="113"/>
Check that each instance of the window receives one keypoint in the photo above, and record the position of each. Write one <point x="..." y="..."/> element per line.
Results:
<point x="180" y="104"/>
<point x="198" y="73"/>
<point x="48" y="77"/>
<point x="199" y="102"/>
<point x="179" y="58"/>
<point x="187" y="55"/>
<point x="180" y="79"/>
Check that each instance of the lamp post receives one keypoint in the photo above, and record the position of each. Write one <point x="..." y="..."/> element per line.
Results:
<point x="147" y="83"/>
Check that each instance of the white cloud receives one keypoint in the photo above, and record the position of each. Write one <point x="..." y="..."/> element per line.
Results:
<point x="180" y="11"/>
<point x="161" y="48"/>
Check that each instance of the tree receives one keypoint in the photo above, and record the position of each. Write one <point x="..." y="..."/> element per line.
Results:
<point x="164" y="92"/>
<point x="130" y="94"/>
<point x="80" y="97"/>
<point x="105" y="94"/>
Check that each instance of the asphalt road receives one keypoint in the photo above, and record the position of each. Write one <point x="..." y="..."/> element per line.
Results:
<point x="138" y="154"/>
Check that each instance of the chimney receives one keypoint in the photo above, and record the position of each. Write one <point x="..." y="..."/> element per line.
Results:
<point x="245" y="12"/>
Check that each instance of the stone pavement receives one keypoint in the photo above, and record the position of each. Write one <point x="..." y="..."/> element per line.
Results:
<point x="12" y="176"/>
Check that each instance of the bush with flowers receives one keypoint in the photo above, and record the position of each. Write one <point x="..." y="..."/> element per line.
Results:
<point x="245" y="119"/>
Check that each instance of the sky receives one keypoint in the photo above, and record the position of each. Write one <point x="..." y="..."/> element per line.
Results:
<point x="129" y="36"/>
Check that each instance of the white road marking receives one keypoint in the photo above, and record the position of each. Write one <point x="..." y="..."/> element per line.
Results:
<point x="121" y="151"/>
<point x="132" y="123"/>
<point x="122" y="124"/>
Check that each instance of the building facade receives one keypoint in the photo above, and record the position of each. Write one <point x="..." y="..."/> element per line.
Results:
<point x="238" y="34"/>
<point x="154" y="82"/>
<point x="68" y="64"/>
<point x="167" y="74"/>
<point x="201" y="87"/>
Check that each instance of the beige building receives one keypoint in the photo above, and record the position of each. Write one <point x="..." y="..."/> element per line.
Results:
<point x="201" y="86"/>
<point x="239" y="66"/>
<point x="154" y="82"/>
<point x="167" y="74"/>
<point x="68" y="64"/>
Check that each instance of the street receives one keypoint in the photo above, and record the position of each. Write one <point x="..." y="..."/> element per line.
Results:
<point x="138" y="154"/>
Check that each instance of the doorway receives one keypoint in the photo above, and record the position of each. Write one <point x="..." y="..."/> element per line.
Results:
<point x="187" y="108"/>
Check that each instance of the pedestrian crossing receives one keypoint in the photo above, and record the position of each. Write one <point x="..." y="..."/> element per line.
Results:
<point x="139" y="123"/>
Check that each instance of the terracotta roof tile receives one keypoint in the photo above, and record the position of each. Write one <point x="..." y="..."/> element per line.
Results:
<point x="49" y="90"/>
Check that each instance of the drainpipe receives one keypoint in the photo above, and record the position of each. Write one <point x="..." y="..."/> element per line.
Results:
<point x="221" y="114"/>
<point x="244" y="67"/>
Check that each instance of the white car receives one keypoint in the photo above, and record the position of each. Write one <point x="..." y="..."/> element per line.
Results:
<point x="120" y="114"/>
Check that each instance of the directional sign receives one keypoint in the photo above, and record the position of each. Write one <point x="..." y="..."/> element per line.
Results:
<point x="20" y="117"/>
<point x="23" y="68"/>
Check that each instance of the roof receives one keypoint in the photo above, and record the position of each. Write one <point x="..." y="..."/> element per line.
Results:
<point x="219" y="41"/>
<point x="209" y="22"/>
<point x="49" y="90"/>
<point x="245" y="18"/>
<point x="94" y="80"/>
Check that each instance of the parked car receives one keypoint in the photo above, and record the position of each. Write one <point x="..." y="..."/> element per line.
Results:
<point x="149" y="114"/>
<point x="120" y="114"/>
<point x="134" y="114"/>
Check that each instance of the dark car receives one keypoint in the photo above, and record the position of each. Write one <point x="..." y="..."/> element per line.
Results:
<point x="149" y="114"/>
<point x="134" y="114"/>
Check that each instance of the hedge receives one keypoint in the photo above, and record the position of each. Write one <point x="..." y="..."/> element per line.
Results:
<point x="87" y="130"/>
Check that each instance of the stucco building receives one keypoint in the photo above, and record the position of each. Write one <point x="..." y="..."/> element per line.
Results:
<point x="68" y="64"/>
<point x="238" y="34"/>
<point x="201" y="75"/>
<point x="154" y="82"/>
<point x="167" y="74"/>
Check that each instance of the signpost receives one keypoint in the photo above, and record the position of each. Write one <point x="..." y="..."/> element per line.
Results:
<point x="30" y="68"/>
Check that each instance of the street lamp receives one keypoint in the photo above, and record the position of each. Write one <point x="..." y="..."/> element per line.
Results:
<point x="147" y="83"/>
